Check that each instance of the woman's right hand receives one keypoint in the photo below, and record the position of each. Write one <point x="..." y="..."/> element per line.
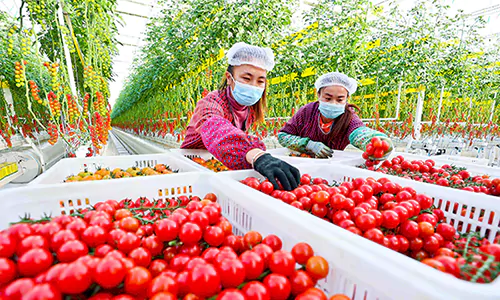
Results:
<point x="273" y="168"/>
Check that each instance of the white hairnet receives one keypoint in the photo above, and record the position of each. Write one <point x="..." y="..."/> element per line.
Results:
<point x="242" y="53"/>
<point x="336" y="78"/>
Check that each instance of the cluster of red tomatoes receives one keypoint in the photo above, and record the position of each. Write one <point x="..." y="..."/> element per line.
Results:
<point x="140" y="249"/>
<point x="446" y="175"/>
<point x="395" y="217"/>
<point x="377" y="148"/>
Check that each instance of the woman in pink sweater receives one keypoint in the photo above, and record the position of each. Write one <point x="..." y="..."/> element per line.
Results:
<point x="221" y="120"/>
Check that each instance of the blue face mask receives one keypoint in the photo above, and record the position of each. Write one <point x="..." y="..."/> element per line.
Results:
<point x="331" y="111"/>
<point x="246" y="94"/>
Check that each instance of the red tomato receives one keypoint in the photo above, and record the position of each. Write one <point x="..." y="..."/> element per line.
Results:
<point x="18" y="288"/>
<point x="109" y="273"/>
<point x="279" y="286"/>
<point x="319" y="210"/>
<point x="71" y="251"/>
<point x="61" y="237"/>
<point x="214" y="236"/>
<point x="157" y="266"/>
<point x="446" y="231"/>
<point x="387" y="198"/>
<point x="137" y="281"/>
<point x="409" y="229"/>
<point x="74" y="279"/>
<point x="402" y="213"/>
<point x="306" y="203"/>
<point x="393" y="242"/>
<point x="301" y="282"/>
<point x="254" y="264"/>
<point x="199" y="218"/>
<point x="288" y="197"/>
<point x="282" y="262"/>
<point x="390" y="219"/>
<point x="7" y="271"/>
<point x="340" y="216"/>
<point x="212" y="214"/>
<point x="374" y="235"/>
<point x="140" y="256"/>
<point x="337" y="201"/>
<point x="302" y="252"/>
<point x="251" y="239"/>
<point x="179" y="262"/>
<point x="424" y="201"/>
<point x="431" y="244"/>
<point x="153" y="245"/>
<point x="450" y="265"/>
<point x="266" y="187"/>
<point x="434" y="264"/>
<point x="265" y="252"/>
<point x="273" y="241"/>
<point x="234" y="242"/>
<point x="378" y="217"/>
<point x="357" y="196"/>
<point x="7" y="245"/>
<point x="94" y="236"/>
<point x="32" y="242"/>
<point x="45" y="291"/>
<point x="346" y="224"/>
<point x="77" y="225"/>
<point x="256" y="291"/>
<point x="231" y="294"/>
<point x="426" y="217"/>
<point x="163" y="284"/>
<point x="232" y="273"/>
<point x="102" y="250"/>
<point x="166" y="230"/>
<point x="190" y="233"/>
<point x="34" y="262"/>
<point x="365" y="222"/>
<point x="355" y="230"/>
<point x="204" y="281"/>
<point x="357" y="211"/>
<point x="416" y="244"/>
<point x="404" y="244"/>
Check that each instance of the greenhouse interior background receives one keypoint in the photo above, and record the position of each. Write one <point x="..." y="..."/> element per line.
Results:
<point x="127" y="171"/>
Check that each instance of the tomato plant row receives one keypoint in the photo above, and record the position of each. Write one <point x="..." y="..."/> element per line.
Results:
<point x="397" y="67"/>
<point x="34" y="69"/>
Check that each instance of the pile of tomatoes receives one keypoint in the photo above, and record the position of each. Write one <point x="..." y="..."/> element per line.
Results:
<point x="181" y="249"/>
<point x="395" y="217"/>
<point x="211" y="164"/>
<point x="377" y="148"/>
<point x="446" y="175"/>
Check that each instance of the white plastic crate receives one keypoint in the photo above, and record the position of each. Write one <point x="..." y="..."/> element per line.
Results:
<point x="71" y="166"/>
<point x="420" y="281"/>
<point x="463" y="159"/>
<point x="357" y="272"/>
<point x="474" y="169"/>
<point x="184" y="153"/>
<point x="284" y="154"/>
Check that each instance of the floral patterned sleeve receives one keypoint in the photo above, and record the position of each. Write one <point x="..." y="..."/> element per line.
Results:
<point x="293" y="142"/>
<point x="361" y="136"/>
<point x="289" y="135"/>
<point x="221" y="138"/>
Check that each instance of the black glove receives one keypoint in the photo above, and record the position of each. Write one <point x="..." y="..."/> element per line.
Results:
<point x="273" y="168"/>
